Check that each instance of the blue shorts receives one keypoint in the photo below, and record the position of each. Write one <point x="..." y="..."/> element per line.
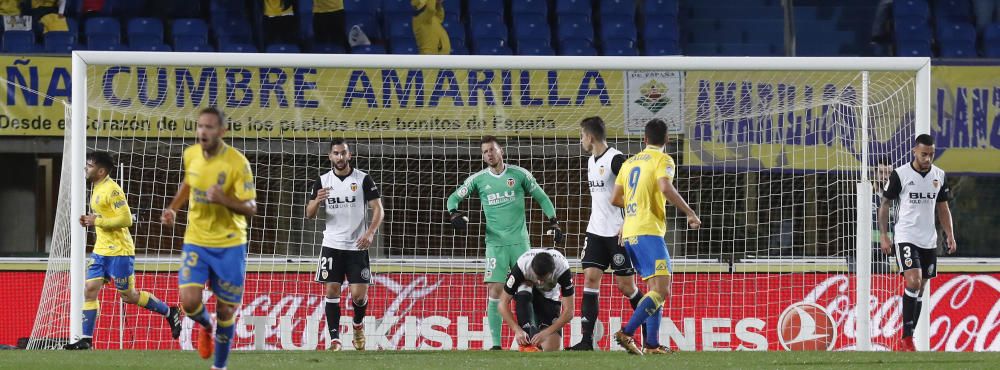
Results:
<point x="119" y="269"/>
<point x="223" y="268"/>
<point x="649" y="255"/>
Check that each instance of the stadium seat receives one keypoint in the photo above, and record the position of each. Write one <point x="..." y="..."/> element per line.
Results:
<point x="622" y="47"/>
<point x="702" y="49"/>
<point x="531" y="27"/>
<point x="616" y="27"/>
<point x="535" y="49"/>
<point x="456" y="50"/>
<point x="573" y="7"/>
<point x="197" y="48"/>
<point x="494" y="50"/>
<point x="57" y="42"/>
<point x="653" y="9"/>
<point x="763" y="31"/>
<point x="368" y="49"/>
<point x="951" y="11"/>
<point x="745" y="49"/>
<point x="577" y="47"/>
<point x="150" y="47"/>
<point x="991" y="35"/>
<point x="617" y="8"/>
<point x="958" y="50"/>
<point x="916" y="48"/>
<point x="103" y="27"/>
<point x="404" y="46"/>
<point x="911" y="9"/>
<point x="103" y="42"/>
<point x="239" y="48"/>
<point x="233" y="30"/>
<point x="526" y="7"/>
<point x="479" y="8"/>
<point x="912" y="29"/>
<point x="399" y="27"/>
<point x="992" y="51"/>
<point x="367" y="8"/>
<point x="369" y="25"/>
<point x="456" y="31"/>
<point x="189" y="31"/>
<point x="282" y="48"/>
<point x="19" y="42"/>
<point x="486" y="43"/>
<point x="957" y="32"/>
<point x="661" y="47"/>
<point x="144" y="31"/>
<point x="488" y="28"/>
<point x="574" y="27"/>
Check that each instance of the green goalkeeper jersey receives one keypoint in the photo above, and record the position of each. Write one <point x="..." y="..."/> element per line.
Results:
<point x="502" y="198"/>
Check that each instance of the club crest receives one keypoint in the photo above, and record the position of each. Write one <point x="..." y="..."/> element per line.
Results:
<point x="510" y="182"/>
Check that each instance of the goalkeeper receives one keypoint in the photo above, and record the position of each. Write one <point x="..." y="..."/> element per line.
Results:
<point x="501" y="190"/>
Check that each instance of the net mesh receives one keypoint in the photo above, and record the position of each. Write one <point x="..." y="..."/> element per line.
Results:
<point x="769" y="160"/>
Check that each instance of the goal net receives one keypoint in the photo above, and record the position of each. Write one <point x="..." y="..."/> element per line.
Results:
<point x="779" y="157"/>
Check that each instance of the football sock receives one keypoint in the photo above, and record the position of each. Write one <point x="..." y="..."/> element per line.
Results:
<point x="89" y="317"/>
<point x="649" y="304"/>
<point x="589" y="312"/>
<point x="522" y="307"/>
<point x="150" y="302"/>
<point x="909" y="303"/>
<point x="359" y="309"/>
<point x="201" y="317"/>
<point x="652" y="326"/>
<point x="223" y="336"/>
<point x="918" y="305"/>
<point x="494" y="319"/>
<point x="333" y="317"/>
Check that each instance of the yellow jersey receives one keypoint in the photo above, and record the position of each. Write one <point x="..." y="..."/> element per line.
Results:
<point x="114" y="218"/>
<point x="211" y="224"/>
<point x="273" y="8"/>
<point x="431" y="36"/>
<point x="645" y="205"/>
<point x="327" y="6"/>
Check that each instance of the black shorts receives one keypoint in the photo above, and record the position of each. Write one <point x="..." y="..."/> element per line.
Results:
<point x="335" y="265"/>
<point x="546" y="310"/>
<point x="909" y="256"/>
<point x="603" y="252"/>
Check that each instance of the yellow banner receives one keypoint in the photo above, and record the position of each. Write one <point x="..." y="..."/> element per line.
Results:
<point x="29" y="80"/>
<point x="965" y="118"/>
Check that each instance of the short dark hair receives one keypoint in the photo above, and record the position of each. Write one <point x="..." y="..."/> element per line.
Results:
<point x="103" y="160"/>
<point x="594" y="126"/>
<point x="218" y="113"/>
<point x="543" y="264"/>
<point x="656" y="132"/>
<point x="489" y="139"/>
<point x="925" y="139"/>
<point x="337" y="141"/>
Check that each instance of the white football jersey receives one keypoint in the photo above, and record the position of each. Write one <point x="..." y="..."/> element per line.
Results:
<point x="346" y="207"/>
<point x="605" y="219"/>
<point x="561" y="281"/>
<point x="917" y="195"/>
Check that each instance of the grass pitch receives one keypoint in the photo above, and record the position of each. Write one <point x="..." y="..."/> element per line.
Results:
<point x="146" y="360"/>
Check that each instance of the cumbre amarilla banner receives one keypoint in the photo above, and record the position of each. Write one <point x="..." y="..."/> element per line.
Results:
<point x="719" y="118"/>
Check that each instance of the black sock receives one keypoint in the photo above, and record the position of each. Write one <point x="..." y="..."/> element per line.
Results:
<point x="333" y="317"/>
<point x="522" y="307"/>
<point x="359" y="310"/>
<point x="909" y="305"/>
<point x="916" y="311"/>
<point x="589" y="311"/>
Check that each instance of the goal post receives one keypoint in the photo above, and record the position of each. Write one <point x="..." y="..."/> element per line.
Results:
<point x="892" y="90"/>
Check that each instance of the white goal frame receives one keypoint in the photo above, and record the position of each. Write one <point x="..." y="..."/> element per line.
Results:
<point x="921" y="66"/>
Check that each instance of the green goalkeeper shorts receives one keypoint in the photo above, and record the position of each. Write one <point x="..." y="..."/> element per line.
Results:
<point x="499" y="261"/>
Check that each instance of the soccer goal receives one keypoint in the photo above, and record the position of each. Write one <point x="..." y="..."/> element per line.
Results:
<point x="781" y="157"/>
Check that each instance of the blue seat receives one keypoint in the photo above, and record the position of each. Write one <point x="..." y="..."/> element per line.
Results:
<point x="660" y="29"/>
<point x="399" y="27"/>
<point x="459" y="50"/>
<point x="574" y="27"/>
<point x="991" y="35"/>
<point x="953" y="11"/>
<point x="660" y="9"/>
<point x="763" y="32"/>
<point x="195" y="48"/>
<point x="233" y="30"/>
<point x="494" y="50"/>
<point x="483" y="7"/>
<point x="327" y="49"/>
<point x="487" y="43"/>
<point x="364" y="7"/>
<point x="912" y="29"/>
<point x="103" y="27"/>
<point x="369" y="25"/>
<point x="237" y="48"/>
<point x="534" y="47"/>
<point x="615" y="27"/>
<point x="911" y="9"/>
<point x="150" y="47"/>
<point x="368" y="49"/>
<point x="958" y="50"/>
<point x="189" y="31"/>
<point x="573" y="7"/>
<point x="617" y="8"/>
<point x="19" y="42"/>
<point x="577" y="47"/>
<point x="456" y="30"/>
<point x="957" y="32"/>
<point x="145" y="30"/>
<point x="488" y="28"/>
<point x="661" y="47"/>
<point x="743" y="49"/>
<point x="531" y="27"/>
<point x="525" y="7"/>
<point x="452" y="8"/>
<point x="404" y="46"/>
<point x="103" y="42"/>
<point x="992" y="51"/>
<point x="703" y="49"/>
<point x="915" y="48"/>
<point x="282" y="48"/>
<point x="620" y="47"/>
<point x="59" y="42"/>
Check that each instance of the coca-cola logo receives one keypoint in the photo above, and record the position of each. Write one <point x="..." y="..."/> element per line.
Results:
<point x="806" y="327"/>
<point x="966" y="314"/>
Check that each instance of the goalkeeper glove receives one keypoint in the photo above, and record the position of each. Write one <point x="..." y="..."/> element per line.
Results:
<point x="553" y="229"/>
<point x="458" y="220"/>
